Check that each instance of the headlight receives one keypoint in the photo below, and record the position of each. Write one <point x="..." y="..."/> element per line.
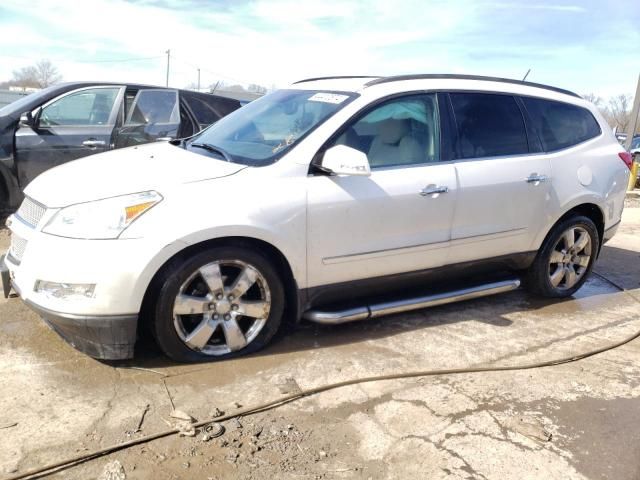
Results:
<point x="101" y="219"/>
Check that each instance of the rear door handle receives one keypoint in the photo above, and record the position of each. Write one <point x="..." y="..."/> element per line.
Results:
<point x="535" y="178"/>
<point x="94" y="143"/>
<point x="433" y="189"/>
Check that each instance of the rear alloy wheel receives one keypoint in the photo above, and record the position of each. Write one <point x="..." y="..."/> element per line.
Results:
<point x="570" y="258"/>
<point x="222" y="303"/>
<point x="565" y="259"/>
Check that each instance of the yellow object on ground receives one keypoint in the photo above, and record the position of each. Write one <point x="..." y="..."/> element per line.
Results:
<point x="634" y="175"/>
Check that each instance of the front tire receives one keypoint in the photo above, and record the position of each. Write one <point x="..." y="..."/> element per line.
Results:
<point x="565" y="259"/>
<point x="221" y="303"/>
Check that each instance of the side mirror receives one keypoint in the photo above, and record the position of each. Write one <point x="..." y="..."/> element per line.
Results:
<point x="343" y="160"/>
<point x="26" y="120"/>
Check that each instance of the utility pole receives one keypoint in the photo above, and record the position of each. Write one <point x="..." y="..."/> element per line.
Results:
<point x="168" y="52"/>
<point x="631" y="131"/>
<point x="633" y="121"/>
<point x="198" y="79"/>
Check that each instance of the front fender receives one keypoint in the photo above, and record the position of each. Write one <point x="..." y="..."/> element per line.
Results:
<point x="294" y="252"/>
<point x="253" y="204"/>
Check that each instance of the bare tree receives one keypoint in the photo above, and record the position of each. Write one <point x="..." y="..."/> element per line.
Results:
<point x="619" y="109"/>
<point x="255" y="88"/>
<point x="40" y="75"/>
<point x="595" y="99"/>
<point x="25" y="78"/>
<point x="233" y="88"/>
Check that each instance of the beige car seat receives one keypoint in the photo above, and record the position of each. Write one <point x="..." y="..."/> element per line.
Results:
<point x="394" y="145"/>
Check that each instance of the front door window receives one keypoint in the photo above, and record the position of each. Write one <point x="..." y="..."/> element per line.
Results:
<point x="92" y="106"/>
<point x="400" y="132"/>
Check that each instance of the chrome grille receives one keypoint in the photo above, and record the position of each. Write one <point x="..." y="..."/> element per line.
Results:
<point x="18" y="245"/>
<point x="31" y="212"/>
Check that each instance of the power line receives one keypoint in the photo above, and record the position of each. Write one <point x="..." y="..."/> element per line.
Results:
<point x="121" y="60"/>
<point x="210" y="72"/>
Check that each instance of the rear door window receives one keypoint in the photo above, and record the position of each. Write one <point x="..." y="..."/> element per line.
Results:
<point x="489" y="125"/>
<point x="153" y="114"/>
<point x="560" y="125"/>
<point x="154" y="107"/>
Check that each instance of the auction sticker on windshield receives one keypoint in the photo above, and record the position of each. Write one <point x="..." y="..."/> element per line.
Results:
<point x="328" y="97"/>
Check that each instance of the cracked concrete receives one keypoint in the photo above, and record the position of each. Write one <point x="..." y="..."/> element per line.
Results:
<point x="576" y="420"/>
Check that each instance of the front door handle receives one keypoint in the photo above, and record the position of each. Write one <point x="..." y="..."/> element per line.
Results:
<point x="433" y="189"/>
<point x="535" y="178"/>
<point x="92" y="142"/>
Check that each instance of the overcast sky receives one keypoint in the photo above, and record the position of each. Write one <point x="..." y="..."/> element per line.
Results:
<point x="585" y="46"/>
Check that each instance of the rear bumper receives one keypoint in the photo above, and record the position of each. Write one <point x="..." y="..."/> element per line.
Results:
<point x="106" y="337"/>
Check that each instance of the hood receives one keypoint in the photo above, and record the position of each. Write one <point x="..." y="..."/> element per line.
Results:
<point x="155" y="166"/>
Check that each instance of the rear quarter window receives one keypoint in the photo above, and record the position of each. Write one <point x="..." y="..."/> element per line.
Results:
<point x="560" y="125"/>
<point x="205" y="113"/>
<point x="209" y="109"/>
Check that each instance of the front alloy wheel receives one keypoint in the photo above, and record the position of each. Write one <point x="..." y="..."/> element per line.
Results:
<point x="221" y="307"/>
<point x="219" y="303"/>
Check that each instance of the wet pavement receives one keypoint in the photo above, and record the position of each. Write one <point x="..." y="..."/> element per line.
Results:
<point x="576" y="420"/>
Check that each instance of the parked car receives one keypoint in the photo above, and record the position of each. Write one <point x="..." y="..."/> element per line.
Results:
<point x="621" y="137"/>
<point x="335" y="200"/>
<point x="72" y="120"/>
<point x="634" y="148"/>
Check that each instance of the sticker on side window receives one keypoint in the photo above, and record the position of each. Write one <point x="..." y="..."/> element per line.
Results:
<point x="328" y="97"/>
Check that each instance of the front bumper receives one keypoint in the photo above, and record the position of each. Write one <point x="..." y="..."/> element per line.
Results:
<point x="107" y="337"/>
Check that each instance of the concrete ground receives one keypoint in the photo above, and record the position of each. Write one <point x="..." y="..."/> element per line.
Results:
<point x="578" y="420"/>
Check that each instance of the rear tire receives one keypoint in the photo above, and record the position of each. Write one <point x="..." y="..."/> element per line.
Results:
<point x="565" y="259"/>
<point x="220" y="303"/>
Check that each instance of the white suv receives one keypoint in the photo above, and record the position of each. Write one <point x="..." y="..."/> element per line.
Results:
<point x="336" y="199"/>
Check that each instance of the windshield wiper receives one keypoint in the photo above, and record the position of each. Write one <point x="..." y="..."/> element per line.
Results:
<point x="210" y="148"/>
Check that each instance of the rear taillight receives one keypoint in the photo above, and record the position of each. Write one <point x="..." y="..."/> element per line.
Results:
<point x="627" y="158"/>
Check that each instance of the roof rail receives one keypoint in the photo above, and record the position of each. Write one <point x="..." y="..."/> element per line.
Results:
<point x="336" y="77"/>
<point x="437" y="76"/>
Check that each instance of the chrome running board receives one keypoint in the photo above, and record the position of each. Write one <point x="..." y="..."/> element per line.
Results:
<point x="366" y="312"/>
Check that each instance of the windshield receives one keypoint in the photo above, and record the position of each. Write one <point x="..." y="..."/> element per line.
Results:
<point x="635" y="143"/>
<point x="263" y="130"/>
<point x="24" y="102"/>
